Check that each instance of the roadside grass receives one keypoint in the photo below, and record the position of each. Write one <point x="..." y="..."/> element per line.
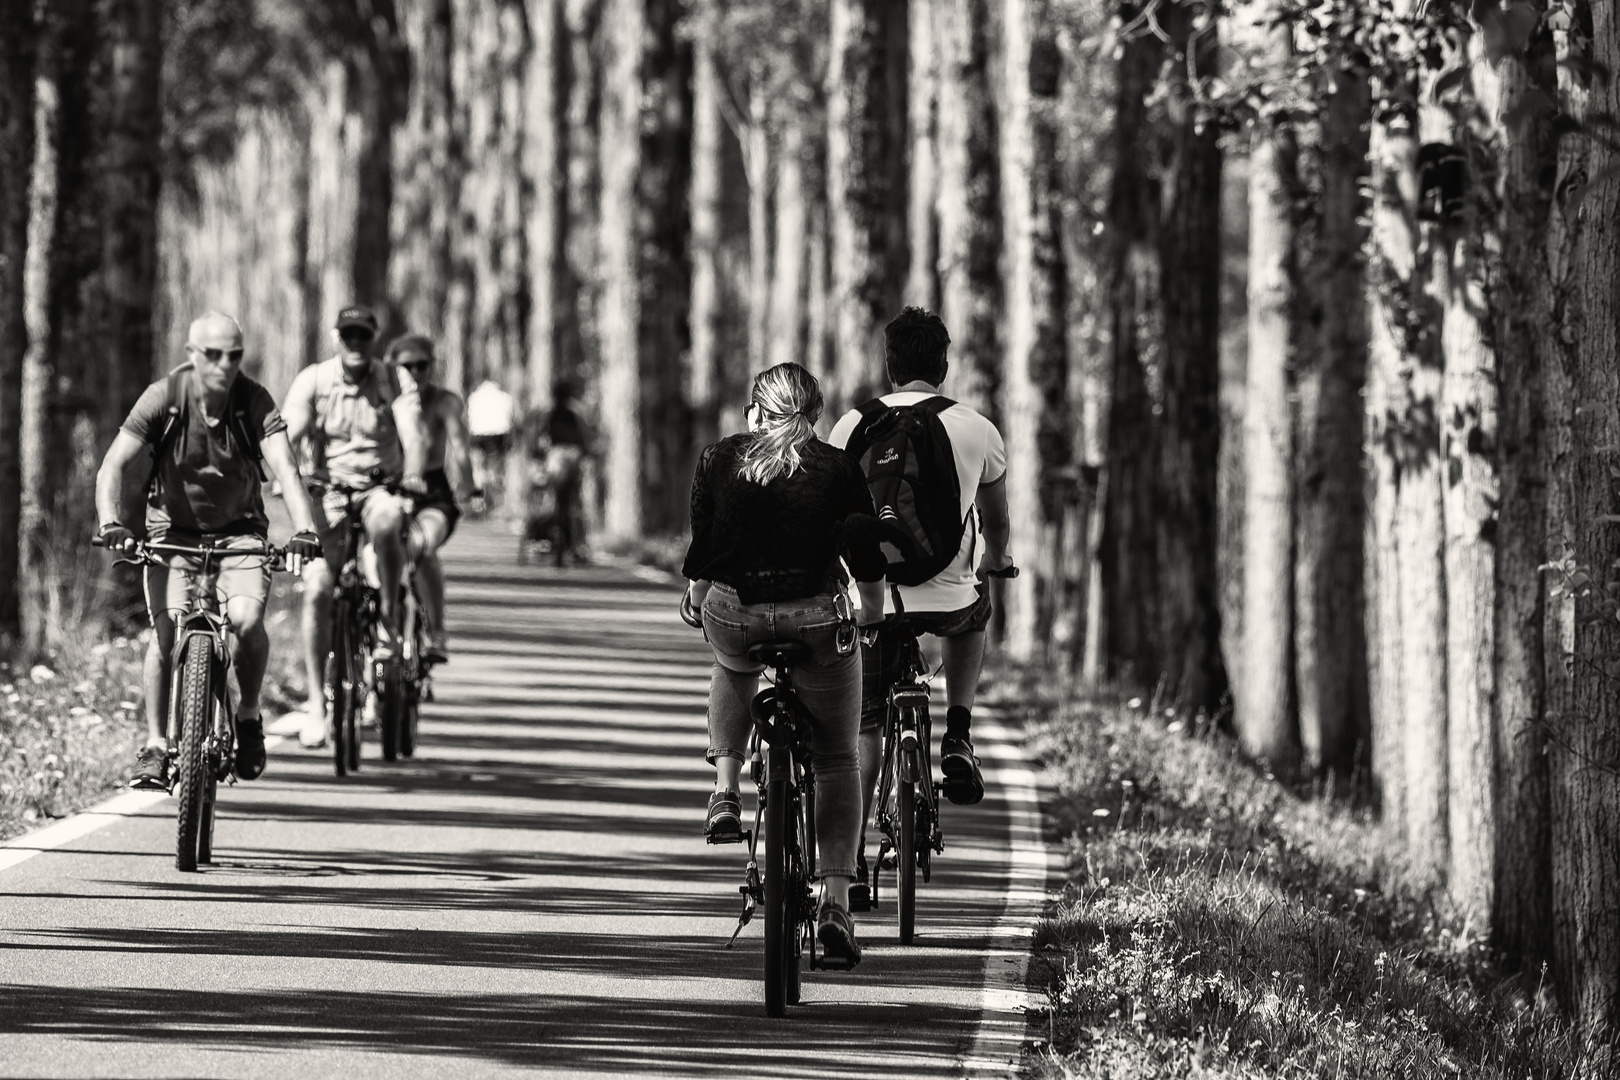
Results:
<point x="1216" y="924"/>
<point x="70" y="723"/>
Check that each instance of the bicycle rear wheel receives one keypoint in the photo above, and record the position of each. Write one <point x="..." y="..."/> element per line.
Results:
<point x="337" y="683"/>
<point x="196" y="706"/>
<point x="391" y="708"/>
<point x="778" y="910"/>
<point x="906" y="863"/>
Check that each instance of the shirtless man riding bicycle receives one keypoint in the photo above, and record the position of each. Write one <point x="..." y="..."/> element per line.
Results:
<point x="364" y="429"/>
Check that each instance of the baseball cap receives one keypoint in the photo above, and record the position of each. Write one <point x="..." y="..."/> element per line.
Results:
<point x="357" y="318"/>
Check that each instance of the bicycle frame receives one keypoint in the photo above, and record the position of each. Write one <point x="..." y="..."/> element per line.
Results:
<point x="907" y="763"/>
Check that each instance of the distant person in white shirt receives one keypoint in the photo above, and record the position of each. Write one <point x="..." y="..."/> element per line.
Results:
<point x="952" y="603"/>
<point x="491" y="415"/>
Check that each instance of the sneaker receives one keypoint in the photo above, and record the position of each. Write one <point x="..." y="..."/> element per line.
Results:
<point x="151" y="769"/>
<point x="371" y="715"/>
<point x="860" y="890"/>
<point x="250" y="756"/>
<point x="387" y="646"/>
<point x="436" y="653"/>
<point x="964" y="786"/>
<point x="314" y="734"/>
<point x="724" y="825"/>
<point x="835" y="929"/>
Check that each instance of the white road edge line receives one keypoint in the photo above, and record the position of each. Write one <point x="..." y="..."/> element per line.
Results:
<point x="998" y="1042"/>
<point x="77" y="826"/>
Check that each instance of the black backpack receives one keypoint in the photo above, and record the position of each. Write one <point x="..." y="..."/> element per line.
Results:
<point x="906" y="457"/>
<point x="237" y="426"/>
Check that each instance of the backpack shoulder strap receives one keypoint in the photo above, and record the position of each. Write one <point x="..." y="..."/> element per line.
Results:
<point x="869" y="409"/>
<point x="174" y="409"/>
<point x="936" y="404"/>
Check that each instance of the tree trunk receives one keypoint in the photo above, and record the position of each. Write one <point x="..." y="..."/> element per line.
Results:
<point x="1329" y="619"/>
<point x="922" y="97"/>
<point x="664" y="237"/>
<point x="1036" y="364"/>
<point x="1521" y="303"/>
<point x="1263" y="686"/>
<point x="787" y="276"/>
<point x="17" y="52"/>
<point x="969" y="202"/>
<point x="1588" y="841"/>
<point x="543" y="167"/>
<point x="703" y="375"/>
<point x="426" y="175"/>
<point x="623" y="27"/>
<point x="756" y="139"/>
<point x="865" y="188"/>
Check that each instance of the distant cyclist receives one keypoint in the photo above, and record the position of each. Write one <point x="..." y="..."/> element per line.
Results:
<point x="202" y="433"/>
<point x="363" y="428"/>
<point x="957" y="504"/>
<point x="561" y="444"/>
<point x="447" y="473"/>
<point x="771" y="515"/>
<point x="491" y="416"/>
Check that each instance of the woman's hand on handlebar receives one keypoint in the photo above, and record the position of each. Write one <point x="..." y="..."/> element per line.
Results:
<point x="1000" y="568"/>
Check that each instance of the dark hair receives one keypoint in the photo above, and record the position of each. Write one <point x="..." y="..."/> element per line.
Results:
<point x="914" y="346"/>
<point x="410" y="343"/>
<point x="562" y="392"/>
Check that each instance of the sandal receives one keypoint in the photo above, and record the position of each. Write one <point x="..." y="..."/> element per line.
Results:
<point x="835" y="929"/>
<point x="725" y="818"/>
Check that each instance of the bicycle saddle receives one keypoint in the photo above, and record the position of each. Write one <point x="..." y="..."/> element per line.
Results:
<point x="778" y="654"/>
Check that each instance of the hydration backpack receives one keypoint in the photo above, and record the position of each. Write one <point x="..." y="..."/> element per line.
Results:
<point x="906" y="457"/>
<point x="237" y="426"/>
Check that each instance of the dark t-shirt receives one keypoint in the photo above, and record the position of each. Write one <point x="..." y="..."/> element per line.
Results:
<point x="780" y="541"/>
<point x="204" y="482"/>
<point x="564" y="428"/>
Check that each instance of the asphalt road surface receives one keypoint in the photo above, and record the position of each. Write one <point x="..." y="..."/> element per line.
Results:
<point x="530" y="895"/>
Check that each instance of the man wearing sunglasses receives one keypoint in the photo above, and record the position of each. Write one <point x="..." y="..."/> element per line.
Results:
<point x="447" y="474"/>
<point x="200" y="435"/>
<point x="364" y="429"/>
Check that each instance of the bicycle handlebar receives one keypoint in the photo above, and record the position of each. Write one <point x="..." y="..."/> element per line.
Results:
<point x="145" y="551"/>
<point x="1005" y="572"/>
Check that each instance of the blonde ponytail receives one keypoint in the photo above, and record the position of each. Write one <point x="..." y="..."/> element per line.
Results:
<point x="788" y="400"/>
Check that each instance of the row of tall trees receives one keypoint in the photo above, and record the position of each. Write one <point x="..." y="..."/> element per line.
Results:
<point x="1383" y="516"/>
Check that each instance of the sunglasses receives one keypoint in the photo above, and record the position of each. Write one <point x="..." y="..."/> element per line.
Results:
<point x="357" y="337"/>
<point x="417" y="365"/>
<point x="216" y="355"/>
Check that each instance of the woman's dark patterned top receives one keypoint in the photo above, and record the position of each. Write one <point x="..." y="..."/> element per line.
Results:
<point x="780" y="541"/>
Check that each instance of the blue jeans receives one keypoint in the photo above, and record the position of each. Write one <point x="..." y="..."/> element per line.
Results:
<point x="829" y="687"/>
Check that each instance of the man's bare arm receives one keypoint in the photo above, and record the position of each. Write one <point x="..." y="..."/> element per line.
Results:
<point x="996" y="523"/>
<point x="410" y="423"/>
<point x="279" y="456"/>
<point x="457" y="458"/>
<point x="124" y="457"/>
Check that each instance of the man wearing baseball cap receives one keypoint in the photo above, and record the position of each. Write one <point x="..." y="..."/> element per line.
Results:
<point x="205" y="429"/>
<point x="364" y="429"/>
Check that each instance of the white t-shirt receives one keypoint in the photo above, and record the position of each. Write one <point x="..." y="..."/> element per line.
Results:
<point x="981" y="458"/>
<point x="489" y="410"/>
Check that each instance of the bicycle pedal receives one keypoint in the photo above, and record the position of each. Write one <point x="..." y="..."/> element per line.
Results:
<point x="726" y="838"/>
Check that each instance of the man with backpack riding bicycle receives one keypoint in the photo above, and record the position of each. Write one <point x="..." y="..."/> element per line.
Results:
<point x="204" y="434"/>
<point x="447" y="471"/>
<point x="365" y="432"/>
<point x="936" y="469"/>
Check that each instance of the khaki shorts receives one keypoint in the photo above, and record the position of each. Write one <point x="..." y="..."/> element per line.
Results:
<point x="239" y="576"/>
<point x="329" y="518"/>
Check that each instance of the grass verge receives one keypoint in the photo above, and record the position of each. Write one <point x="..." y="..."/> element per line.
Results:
<point x="1215" y="924"/>
<point x="70" y="725"/>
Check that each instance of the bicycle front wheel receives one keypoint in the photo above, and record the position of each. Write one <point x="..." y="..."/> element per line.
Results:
<point x="906" y="870"/>
<point x="196" y="707"/>
<point x="338" y="701"/>
<point x="391" y="709"/>
<point x="778" y="910"/>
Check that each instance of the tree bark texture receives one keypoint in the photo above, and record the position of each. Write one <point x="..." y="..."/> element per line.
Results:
<point x="1035" y="362"/>
<point x="619" y="380"/>
<point x="35" y="424"/>
<point x="703" y="370"/>
<point x="756" y="138"/>
<point x="543" y="164"/>
<point x="1330" y="672"/>
<point x="865" y="189"/>
<point x="969" y="202"/>
<point x="17" y="55"/>
<point x="578" y="281"/>
<point x="426" y="171"/>
<point x="790" y="247"/>
<point x="1263" y="685"/>
<point x="1587" y="842"/>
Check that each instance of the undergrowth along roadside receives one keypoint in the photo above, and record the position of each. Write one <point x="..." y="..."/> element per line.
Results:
<point x="1216" y="924"/>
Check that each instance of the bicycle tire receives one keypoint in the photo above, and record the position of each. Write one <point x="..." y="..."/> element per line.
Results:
<point x="205" y="835"/>
<point x="196" y="707"/>
<point x="778" y="913"/>
<point x="337" y="677"/>
<point x="906" y="863"/>
<point x="391" y="708"/>
<point x="413" y="710"/>
<point x="351" y="719"/>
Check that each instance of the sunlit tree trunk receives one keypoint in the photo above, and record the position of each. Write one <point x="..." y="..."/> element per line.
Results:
<point x="786" y="338"/>
<point x="969" y="201"/>
<point x="543" y="167"/>
<point x="865" y="188"/>
<point x="1263" y="684"/>
<point x="425" y="173"/>
<point x="623" y="26"/>
<point x="333" y="195"/>
<point x="17" y="55"/>
<point x="1036" y="364"/>
<point x="1330" y="375"/>
<point x="922" y="96"/>
<point x="703" y="374"/>
<point x="756" y="140"/>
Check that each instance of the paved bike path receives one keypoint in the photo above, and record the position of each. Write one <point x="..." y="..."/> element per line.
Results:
<point x="529" y="895"/>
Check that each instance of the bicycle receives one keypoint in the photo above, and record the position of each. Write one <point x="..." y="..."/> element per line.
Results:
<point x="907" y="807"/>
<point x="785" y="807"/>
<point x="402" y="697"/>
<point x="356" y="619"/>
<point x="201" y="727"/>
